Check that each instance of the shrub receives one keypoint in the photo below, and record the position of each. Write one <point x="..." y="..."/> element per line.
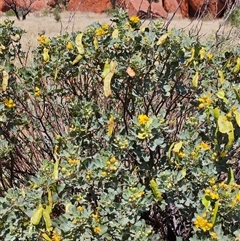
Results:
<point x="56" y="14"/>
<point x="10" y="13"/>
<point x="234" y="18"/>
<point x="135" y="130"/>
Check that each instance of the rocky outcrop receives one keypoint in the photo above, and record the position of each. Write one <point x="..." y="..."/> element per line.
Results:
<point x="97" y="6"/>
<point x="171" y="6"/>
<point x="141" y="7"/>
<point x="188" y="8"/>
<point x="199" y="8"/>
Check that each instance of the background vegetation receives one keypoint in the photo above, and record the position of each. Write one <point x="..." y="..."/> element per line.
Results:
<point x="120" y="132"/>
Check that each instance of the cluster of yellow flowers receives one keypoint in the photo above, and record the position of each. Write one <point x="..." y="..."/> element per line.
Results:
<point x="122" y="143"/>
<point x="97" y="229"/>
<point x="73" y="162"/>
<point x="143" y="119"/>
<point x="112" y="164"/>
<point x="9" y="103"/>
<point x="202" y="223"/>
<point x="80" y="208"/>
<point x="56" y="236"/>
<point x="136" y="196"/>
<point x="96" y="219"/>
<point x="224" y="191"/>
<point x="37" y="92"/>
<point x="102" y="30"/>
<point x="145" y="131"/>
<point x="204" y="146"/>
<point x="205" y="101"/>
<point x="134" y="19"/>
<point x="43" y="39"/>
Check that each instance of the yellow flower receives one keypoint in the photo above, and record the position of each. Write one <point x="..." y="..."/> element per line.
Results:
<point x="212" y="181"/>
<point x="205" y="101"/>
<point x="207" y="191"/>
<point x="202" y="53"/>
<point x="238" y="196"/>
<point x="213" y="235"/>
<point x="104" y="174"/>
<point x="113" y="160"/>
<point x="140" y="194"/>
<point x="9" y="103"/>
<point x="73" y="162"/>
<point x="214" y="195"/>
<point x="202" y="223"/>
<point x="79" y="208"/>
<point x="143" y="119"/>
<point x="105" y="26"/>
<point x="229" y="115"/>
<point x="210" y="56"/>
<point x="181" y="154"/>
<point x="96" y="217"/>
<point x="56" y="236"/>
<point x="223" y="154"/>
<point x="97" y="230"/>
<point x="37" y="92"/>
<point x="205" y="146"/>
<point x="223" y="185"/>
<point x="100" y="32"/>
<point x="134" y="19"/>
<point x="144" y="134"/>
<point x="69" y="46"/>
<point x="43" y="39"/>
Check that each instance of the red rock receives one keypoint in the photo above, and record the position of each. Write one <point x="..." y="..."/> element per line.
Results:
<point x="171" y="6"/>
<point x="36" y="6"/>
<point x="97" y="6"/>
<point x="199" y="8"/>
<point x="141" y="7"/>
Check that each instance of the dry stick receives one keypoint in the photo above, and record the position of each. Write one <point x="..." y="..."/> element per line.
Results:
<point x="223" y="24"/>
<point x="174" y="13"/>
<point x="71" y="16"/>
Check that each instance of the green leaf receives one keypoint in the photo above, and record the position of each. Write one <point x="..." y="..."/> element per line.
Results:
<point x="221" y="95"/>
<point x="230" y="178"/>
<point x="215" y="211"/>
<point x="47" y="219"/>
<point x="46" y="237"/>
<point x="37" y="215"/>
<point x="162" y="39"/>
<point x="237" y="66"/>
<point x="5" y="77"/>
<point x="108" y="78"/>
<point x="110" y="125"/>
<point x="221" y="77"/>
<point x="206" y="201"/>
<point x="230" y="140"/>
<point x="195" y="80"/>
<point x="237" y="95"/>
<point x="45" y="55"/>
<point x="177" y="146"/>
<point x="106" y="69"/>
<point x="157" y="194"/>
<point x="115" y="34"/>
<point x="77" y="59"/>
<point x="225" y="126"/>
<point x="55" y="170"/>
<point x="79" y="45"/>
<point x="237" y="117"/>
<point x="216" y="113"/>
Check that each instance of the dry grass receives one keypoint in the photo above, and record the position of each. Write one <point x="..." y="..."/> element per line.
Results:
<point x="37" y="22"/>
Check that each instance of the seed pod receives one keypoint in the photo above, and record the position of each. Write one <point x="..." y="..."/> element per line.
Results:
<point x="37" y="215"/>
